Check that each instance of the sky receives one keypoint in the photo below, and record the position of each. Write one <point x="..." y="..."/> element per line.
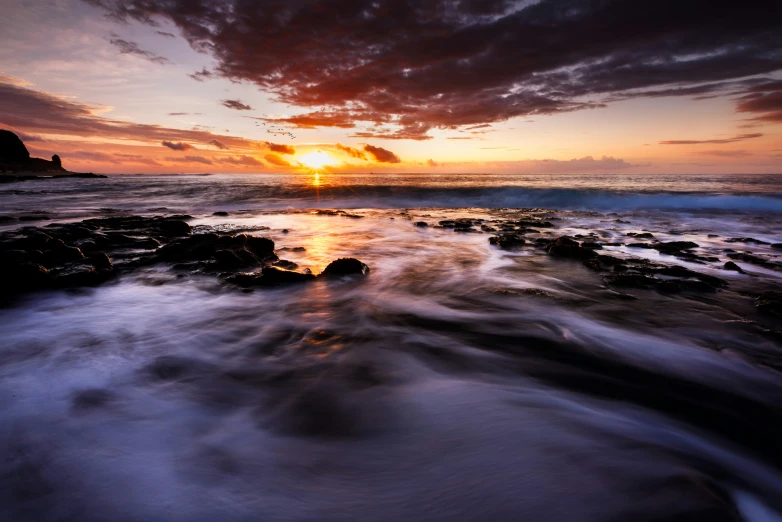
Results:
<point x="505" y="86"/>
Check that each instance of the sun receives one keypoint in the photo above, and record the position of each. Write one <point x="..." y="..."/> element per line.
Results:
<point x="316" y="160"/>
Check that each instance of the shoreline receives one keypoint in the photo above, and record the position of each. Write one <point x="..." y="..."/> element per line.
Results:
<point x="6" y="177"/>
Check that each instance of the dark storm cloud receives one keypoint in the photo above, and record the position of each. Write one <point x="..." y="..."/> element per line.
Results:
<point x="177" y="145"/>
<point x="34" y="111"/>
<point x="444" y="64"/>
<point x="281" y="148"/>
<point x="218" y="144"/>
<point x="126" y="47"/>
<point x="236" y="105"/>
<point x="382" y="155"/>
<point x="734" y="139"/>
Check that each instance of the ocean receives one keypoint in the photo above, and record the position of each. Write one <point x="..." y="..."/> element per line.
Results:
<point x="457" y="381"/>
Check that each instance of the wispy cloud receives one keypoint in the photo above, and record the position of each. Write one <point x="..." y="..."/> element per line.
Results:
<point x="177" y="145"/>
<point x="126" y="47"/>
<point x="734" y="139"/>
<point x="236" y="105"/>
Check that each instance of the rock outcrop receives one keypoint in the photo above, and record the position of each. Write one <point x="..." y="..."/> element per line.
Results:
<point x="14" y="157"/>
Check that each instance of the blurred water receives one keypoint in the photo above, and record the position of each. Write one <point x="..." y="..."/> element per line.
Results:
<point x="192" y="193"/>
<point x="438" y="388"/>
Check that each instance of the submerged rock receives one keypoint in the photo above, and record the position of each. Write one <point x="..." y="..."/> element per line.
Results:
<point x="746" y="240"/>
<point x="566" y="246"/>
<point x="507" y="241"/>
<point x="345" y="266"/>
<point x="730" y="265"/>
<point x="756" y="260"/>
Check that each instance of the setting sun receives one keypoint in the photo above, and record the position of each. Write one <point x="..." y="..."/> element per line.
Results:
<point x="316" y="160"/>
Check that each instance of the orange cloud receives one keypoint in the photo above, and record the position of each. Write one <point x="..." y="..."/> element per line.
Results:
<point x="177" y="146"/>
<point x="382" y="155"/>
<point x="350" y="151"/>
<point x="274" y="159"/>
<point x="281" y="148"/>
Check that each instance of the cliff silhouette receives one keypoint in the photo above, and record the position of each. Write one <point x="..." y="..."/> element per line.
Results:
<point x="14" y="157"/>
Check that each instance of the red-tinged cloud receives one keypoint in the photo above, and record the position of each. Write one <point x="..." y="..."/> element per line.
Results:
<point x="236" y="105"/>
<point x="432" y="163"/>
<point x="733" y="139"/>
<point x="445" y="64"/>
<point x="765" y="101"/>
<point x="190" y="159"/>
<point x="725" y="153"/>
<point x="281" y="148"/>
<point x="274" y="159"/>
<point x="350" y="151"/>
<point x="313" y="120"/>
<point x="218" y="145"/>
<point x="177" y="145"/>
<point x="382" y="155"/>
<point x="36" y="112"/>
<point x="246" y="161"/>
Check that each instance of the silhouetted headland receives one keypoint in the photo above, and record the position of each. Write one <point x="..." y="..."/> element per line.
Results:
<point x="17" y="165"/>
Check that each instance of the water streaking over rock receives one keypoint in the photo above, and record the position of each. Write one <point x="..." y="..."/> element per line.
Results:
<point x="481" y="363"/>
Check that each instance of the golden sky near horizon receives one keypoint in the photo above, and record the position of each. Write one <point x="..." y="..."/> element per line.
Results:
<point x="120" y="94"/>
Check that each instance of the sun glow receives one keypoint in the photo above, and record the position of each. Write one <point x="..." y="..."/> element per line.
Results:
<point x="316" y="160"/>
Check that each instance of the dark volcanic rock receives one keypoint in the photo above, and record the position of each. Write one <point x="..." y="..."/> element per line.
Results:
<point x="270" y="276"/>
<point x="14" y="157"/>
<point x="730" y="265"/>
<point x="508" y="241"/>
<point x="566" y="246"/>
<point x="345" y="266"/>
<point x="756" y="260"/>
<point x="746" y="240"/>
<point x="674" y="247"/>
<point x="11" y="147"/>
<point x="273" y="276"/>
<point x="77" y="254"/>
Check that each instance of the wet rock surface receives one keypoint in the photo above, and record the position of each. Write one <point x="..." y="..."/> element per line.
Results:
<point x="93" y="251"/>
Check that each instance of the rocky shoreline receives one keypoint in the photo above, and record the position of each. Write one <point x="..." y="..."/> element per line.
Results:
<point x="93" y="251"/>
<point x="17" y="165"/>
<point x="29" y="176"/>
